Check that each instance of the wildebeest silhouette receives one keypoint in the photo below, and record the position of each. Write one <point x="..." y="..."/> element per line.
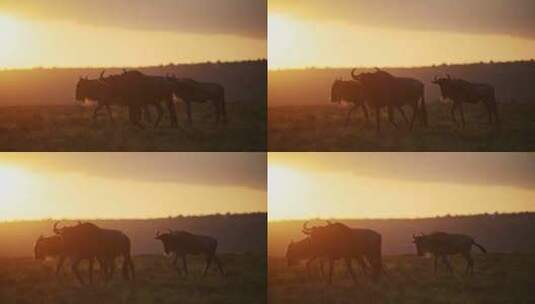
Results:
<point x="352" y="92"/>
<point x="381" y="89"/>
<point x="182" y="243"/>
<point x="338" y="241"/>
<point x="51" y="246"/>
<point x="305" y="250"/>
<point x="442" y="244"/>
<point x="86" y="241"/>
<point x="138" y="90"/>
<point x="99" y="91"/>
<point x="461" y="91"/>
<point x="190" y="91"/>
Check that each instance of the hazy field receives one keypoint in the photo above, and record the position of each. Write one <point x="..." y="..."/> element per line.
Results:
<point x="321" y="128"/>
<point x="498" y="278"/>
<point x="27" y="281"/>
<point x="71" y="128"/>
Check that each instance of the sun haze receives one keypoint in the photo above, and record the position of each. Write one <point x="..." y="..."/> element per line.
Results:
<point x="130" y="185"/>
<point x="129" y="33"/>
<point x="392" y="33"/>
<point x="398" y="185"/>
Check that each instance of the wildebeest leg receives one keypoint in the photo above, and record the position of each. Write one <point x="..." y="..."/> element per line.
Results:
<point x="348" y="117"/>
<point x="414" y="114"/>
<point x="185" y="264"/>
<point x="188" y="111"/>
<point x="363" y="265"/>
<point x="452" y="111"/>
<point x="487" y="107"/>
<point x="447" y="263"/>
<point x="91" y="271"/>
<point x="350" y="269"/>
<point x="217" y="111"/>
<point x="307" y="266"/>
<point x="365" y="110"/>
<point x="135" y="115"/>
<point x="146" y="113"/>
<point x="128" y="262"/>
<point x="74" y="268"/>
<point x="469" y="263"/>
<point x="331" y="266"/>
<point x="159" y="113"/>
<point x="219" y="265"/>
<point x="378" y="119"/>
<point x="391" y="116"/>
<point x="172" y="112"/>
<point x="208" y="263"/>
<point x="95" y="113"/>
<point x="60" y="264"/>
<point x="400" y="110"/>
<point x="109" y="112"/>
<point x="436" y="264"/>
<point x="174" y="263"/>
<point x="462" y="114"/>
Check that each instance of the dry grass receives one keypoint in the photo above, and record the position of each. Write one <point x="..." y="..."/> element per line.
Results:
<point x="27" y="281"/>
<point x="499" y="278"/>
<point x="71" y="128"/>
<point x="321" y="128"/>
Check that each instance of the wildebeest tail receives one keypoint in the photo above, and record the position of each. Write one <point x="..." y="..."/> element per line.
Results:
<point x="479" y="246"/>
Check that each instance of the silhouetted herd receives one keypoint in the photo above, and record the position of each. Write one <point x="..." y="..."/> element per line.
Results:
<point x="380" y="89"/>
<point x="337" y="241"/>
<point x="138" y="92"/>
<point x="86" y="241"/>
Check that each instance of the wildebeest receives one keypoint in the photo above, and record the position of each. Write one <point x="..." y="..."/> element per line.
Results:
<point x="461" y="91"/>
<point x="51" y="246"/>
<point x="352" y="92"/>
<point x="442" y="244"/>
<point x="338" y="241"/>
<point x="182" y="243"/>
<point x="305" y="250"/>
<point x="88" y="241"/>
<point x="381" y="89"/>
<point x="190" y="91"/>
<point x="100" y="91"/>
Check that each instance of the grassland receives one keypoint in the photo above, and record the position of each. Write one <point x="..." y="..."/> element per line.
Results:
<point x="71" y="128"/>
<point x="25" y="281"/>
<point x="499" y="278"/>
<point x="321" y="128"/>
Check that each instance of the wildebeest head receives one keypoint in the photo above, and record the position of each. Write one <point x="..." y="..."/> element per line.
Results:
<point x="166" y="239"/>
<point x="299" y="250"/>
<point x="443" y="83"/>
<point x="422" y="244"/>
<point x="90" y="88"/>
<point x="47" y="246"/>
<point x="336" y="97"/>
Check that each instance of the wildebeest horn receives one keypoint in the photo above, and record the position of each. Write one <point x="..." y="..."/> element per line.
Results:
<point x="55" y="229"/>
<point x="353" y="75"/>
<point x="102" y="74"/>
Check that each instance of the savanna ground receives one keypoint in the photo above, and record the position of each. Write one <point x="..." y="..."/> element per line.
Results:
<point x="321" y="128"/>
<point x="71" y="128"/>
<point x="498" y="278"/>
<point x="26" y="281"/>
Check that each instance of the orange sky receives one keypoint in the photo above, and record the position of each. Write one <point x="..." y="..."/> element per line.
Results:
<point x="129" y="33"/>
<point x="386" y="33"/>
<point x="130" y="185"/>
<point x="398" y="185"/>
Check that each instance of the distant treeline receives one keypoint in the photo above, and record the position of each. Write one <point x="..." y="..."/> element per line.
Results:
<point x="513" y="232"/>
<point x="514" y="81"/>
<point x="243" y="81"/>
<point x="237" y="233"/>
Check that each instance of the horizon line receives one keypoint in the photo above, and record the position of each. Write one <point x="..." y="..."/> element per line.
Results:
<point x="129" y="218"/>
<point x="8" y="69"/>
<point x="442" y="64"/>
<point x="398" y="218"/>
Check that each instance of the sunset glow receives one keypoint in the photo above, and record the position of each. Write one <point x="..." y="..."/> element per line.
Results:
<point x="93" y="185"/>
<point x="322" y="185"/>
<point x="308" y="34"/>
